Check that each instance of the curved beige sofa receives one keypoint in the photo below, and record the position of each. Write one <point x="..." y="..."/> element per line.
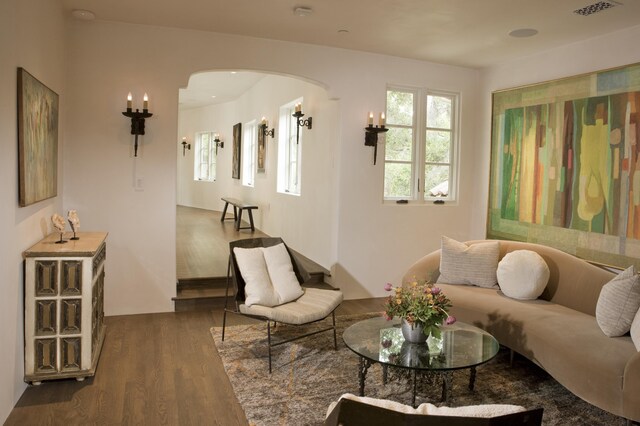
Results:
<point x="558" y="331"/>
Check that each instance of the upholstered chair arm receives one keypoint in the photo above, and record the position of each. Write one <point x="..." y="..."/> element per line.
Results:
<point x="631" y="388"/>
<point x="427" y="268"/>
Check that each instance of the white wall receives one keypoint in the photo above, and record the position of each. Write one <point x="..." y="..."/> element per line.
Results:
<point x="32" y="37"/>
<point x="613" y="50"/>
<point x="372" y="243"/>
<point x="305" y="222"/>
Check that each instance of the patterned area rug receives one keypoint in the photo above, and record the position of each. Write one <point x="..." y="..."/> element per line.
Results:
<point x="308" y="375"/>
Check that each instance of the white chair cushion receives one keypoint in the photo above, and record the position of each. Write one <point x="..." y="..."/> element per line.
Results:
<point x="475" y="264"/>
<point x="523" y="274"/>
<point x="258" y="288"/>
<point x="618" y="303"/>
<point x="280" y="270"/>
<point x="484" y="411"/>
<point x="315" y="304"/>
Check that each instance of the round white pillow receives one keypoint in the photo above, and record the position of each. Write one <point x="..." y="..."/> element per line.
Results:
<point x="522" y="274"/>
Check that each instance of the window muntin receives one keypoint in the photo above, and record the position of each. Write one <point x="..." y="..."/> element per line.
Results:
<point x="419" y="165"/>
<point x="249" y="154"/>
<point x="205" y="158"/>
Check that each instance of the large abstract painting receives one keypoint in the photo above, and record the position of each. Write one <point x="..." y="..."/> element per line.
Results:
<point x="37" y="140"/>
<point x="565" y="165"/>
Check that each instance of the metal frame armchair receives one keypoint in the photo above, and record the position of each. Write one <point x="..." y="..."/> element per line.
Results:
<point x="313" y="306"/>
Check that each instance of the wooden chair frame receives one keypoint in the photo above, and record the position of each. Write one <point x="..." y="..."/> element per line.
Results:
<point x="234" y="276"/>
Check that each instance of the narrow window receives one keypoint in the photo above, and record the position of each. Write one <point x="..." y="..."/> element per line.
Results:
<point x="249" y="154"/>
<point x="205" y="158"/>
<point x="289" y="151"/>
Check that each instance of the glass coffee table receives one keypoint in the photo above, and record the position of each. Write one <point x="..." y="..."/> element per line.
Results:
<point x="462" y="346"/>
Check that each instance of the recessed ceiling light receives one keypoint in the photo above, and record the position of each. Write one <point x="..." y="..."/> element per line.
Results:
<point x="523" y="32"/>
<point x="234" y="72"/>
<point x="84" y="15"/>
<point x="302" y="11"/>
<point x="213" y="96"/>
<point x="343" y="31"/>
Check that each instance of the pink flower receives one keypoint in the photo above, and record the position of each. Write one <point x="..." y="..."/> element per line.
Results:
<point x="388" y="287"/>
<point x="450" y="320"/>
<point x="435" y="290"/>
<point x="387" y="316"/>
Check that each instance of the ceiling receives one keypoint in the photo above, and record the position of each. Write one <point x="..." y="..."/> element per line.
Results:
<point x="470" y="33"/>
<point x="208" y="88"/>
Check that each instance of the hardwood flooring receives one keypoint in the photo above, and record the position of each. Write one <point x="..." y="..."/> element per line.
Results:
<point x="155" y="369"/>
<point x="202" y="242"/>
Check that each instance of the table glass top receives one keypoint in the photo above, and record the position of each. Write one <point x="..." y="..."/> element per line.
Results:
<point x="462" y="345"/>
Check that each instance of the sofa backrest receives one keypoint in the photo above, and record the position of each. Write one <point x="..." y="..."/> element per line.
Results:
<point x="573" y="282"/>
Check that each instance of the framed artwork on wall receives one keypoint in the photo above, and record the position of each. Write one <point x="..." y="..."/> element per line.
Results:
<point x="261" y="150"/>
<point x="565" y="165"/>
<point x="235" y="166"/>
<point x="37" y="140"/>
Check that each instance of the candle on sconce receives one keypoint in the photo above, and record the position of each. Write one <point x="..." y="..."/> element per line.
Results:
<point x="370" y="121"/>
<point x="382" y="119"/>
<point x="298" y="107"/>
<point x="129" y="100"/>
<point x="216" y="136"/>
<point x="145" y="103"/>
<point x="184" y="139"/>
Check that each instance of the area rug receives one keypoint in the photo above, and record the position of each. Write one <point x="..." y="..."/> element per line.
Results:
<point x="309" y="374"/>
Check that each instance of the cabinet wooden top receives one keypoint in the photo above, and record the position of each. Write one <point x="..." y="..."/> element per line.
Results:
<point x="87" y="245"/>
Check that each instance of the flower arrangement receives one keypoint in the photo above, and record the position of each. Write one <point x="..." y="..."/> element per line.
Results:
<point x="419" y="303"/>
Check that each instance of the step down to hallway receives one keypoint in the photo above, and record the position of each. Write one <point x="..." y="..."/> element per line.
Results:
<point x="208" y="293"/>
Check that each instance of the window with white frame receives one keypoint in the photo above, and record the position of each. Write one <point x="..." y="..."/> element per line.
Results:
<point x="289" y="150"/>
<point x="421" y="145"/>
<point x="204" y="168"/>
<point x="249" y="153"/>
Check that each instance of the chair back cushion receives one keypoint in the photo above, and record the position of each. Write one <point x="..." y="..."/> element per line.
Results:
<point x="258" y="287"/>
<point x="236" y="276"/>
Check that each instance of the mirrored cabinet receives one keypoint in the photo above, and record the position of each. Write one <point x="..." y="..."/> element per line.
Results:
<point x="64" y="307"/>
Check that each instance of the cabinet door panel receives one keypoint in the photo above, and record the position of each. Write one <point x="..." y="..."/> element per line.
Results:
<point x="45" y="317"/>
<point x="46" y="278"/>
<point x="71" y="277"/>
<point x="71" y="316"/>
<point x="71" y="349"/>
<point x="46" y="351"/>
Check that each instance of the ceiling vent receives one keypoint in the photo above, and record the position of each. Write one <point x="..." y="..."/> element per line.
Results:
<point x="595" y="8"/>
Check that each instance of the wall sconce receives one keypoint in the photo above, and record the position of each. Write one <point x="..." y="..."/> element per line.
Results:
<point x="218" y="142"/>
<point x="371" y="134"/>
<point x="301" y="123"/>
<point x="264" y="126"/>
<point x="185" y="145"/>
<point x="137" y="119"/>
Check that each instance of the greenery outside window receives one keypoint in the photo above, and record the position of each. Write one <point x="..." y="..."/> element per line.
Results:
<point x="205" y="157"/>
<point x="421" y="145"/>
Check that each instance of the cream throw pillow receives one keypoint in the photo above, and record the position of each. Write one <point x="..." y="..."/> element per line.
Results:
<point x="258" y="289"/>
<point x="280" y="270"/>
<point x="635" y="331"/>
<point x="475" y="264"/>
<point x="268" y="275"/>
<point x="523" y="274"/>
<point x="618" y="303"/>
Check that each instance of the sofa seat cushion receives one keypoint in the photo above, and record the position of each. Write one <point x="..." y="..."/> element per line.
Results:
<point x="566" y="343"/>
<point x="315" y="304"/>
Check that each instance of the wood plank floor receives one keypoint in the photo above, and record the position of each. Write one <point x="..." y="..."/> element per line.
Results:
<point x="202" y="242"/>
<point x="155" y="369"/>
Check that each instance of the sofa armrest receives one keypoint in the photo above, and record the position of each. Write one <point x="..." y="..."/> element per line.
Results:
<point x="427" y="268"/>
<point x="631" y="388"/>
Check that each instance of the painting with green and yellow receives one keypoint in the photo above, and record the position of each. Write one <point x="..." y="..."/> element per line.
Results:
<point x="565" y="169"/>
